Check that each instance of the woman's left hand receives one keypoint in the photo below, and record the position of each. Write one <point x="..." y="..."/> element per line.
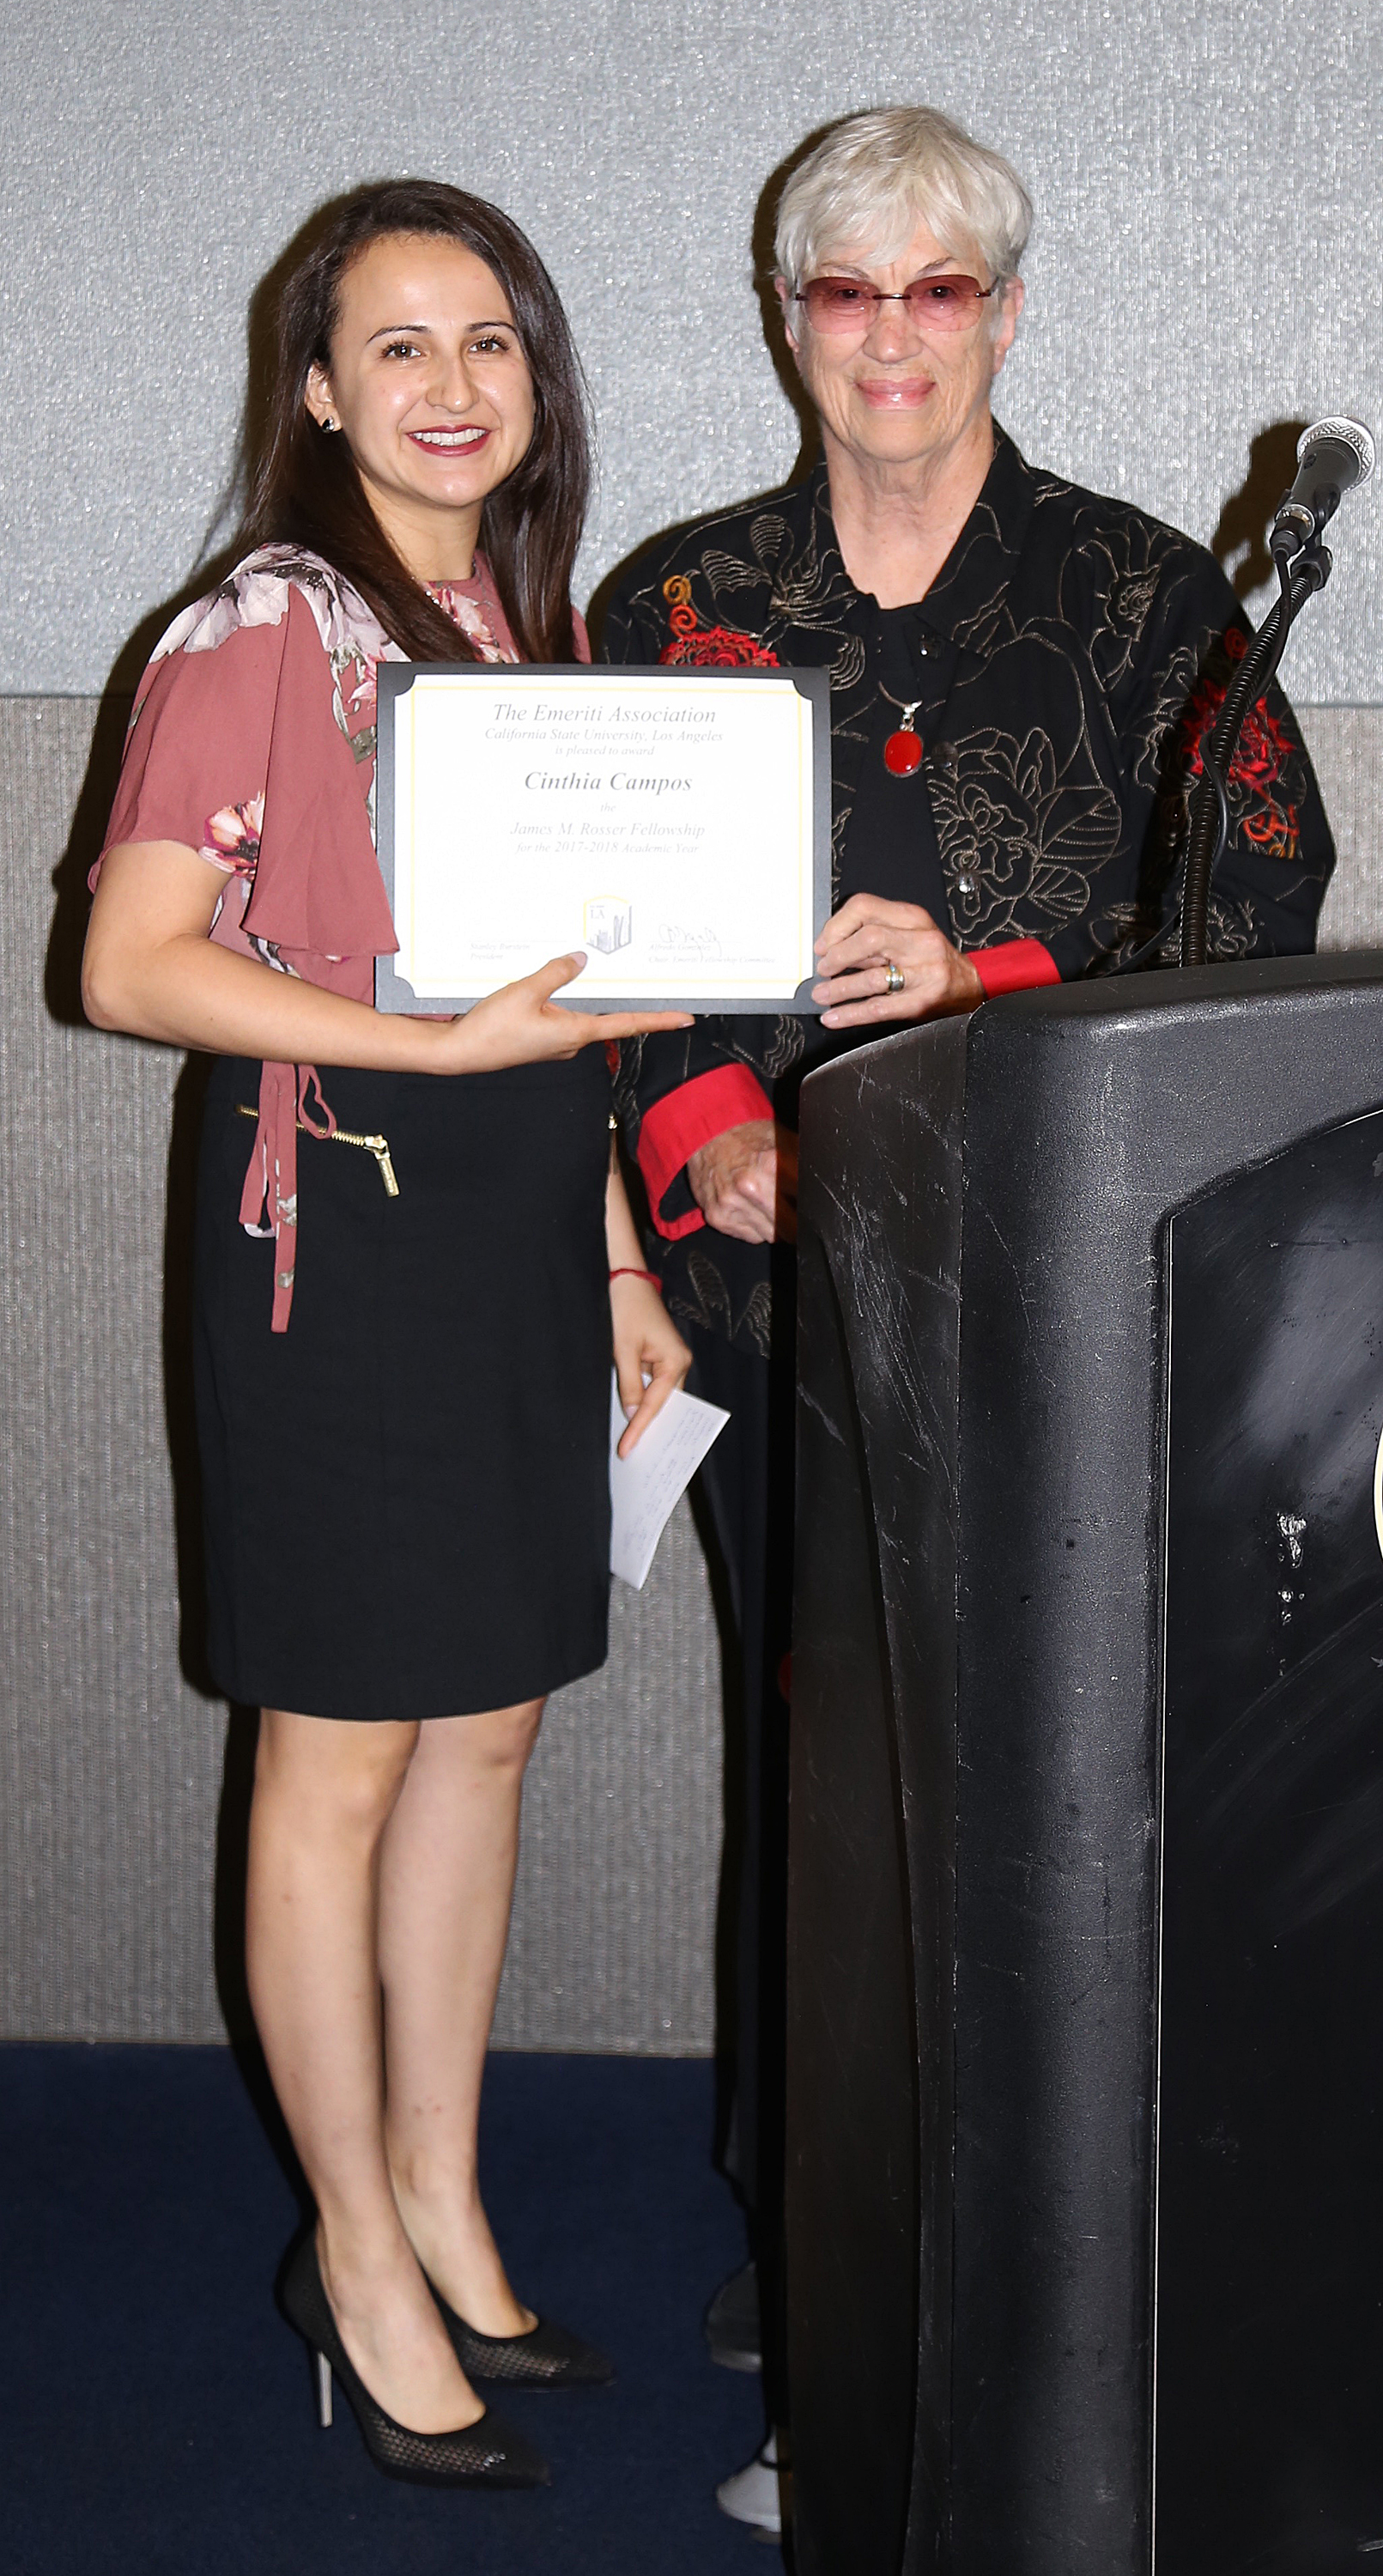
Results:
<point x="647" y="1345"/>
<point x="857" y="948"/>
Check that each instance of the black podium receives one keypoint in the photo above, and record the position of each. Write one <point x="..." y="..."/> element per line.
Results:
<point x="1085" y="2184"/>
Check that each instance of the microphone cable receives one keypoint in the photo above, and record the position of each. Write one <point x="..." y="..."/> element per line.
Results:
<point x="1210" y="816"/>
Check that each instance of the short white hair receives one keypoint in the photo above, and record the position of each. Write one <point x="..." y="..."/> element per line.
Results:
<point x="874" y="176"/>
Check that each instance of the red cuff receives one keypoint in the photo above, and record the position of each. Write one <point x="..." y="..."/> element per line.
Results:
<point x="1014" y="966"/>
<point x="690" y="1116"/>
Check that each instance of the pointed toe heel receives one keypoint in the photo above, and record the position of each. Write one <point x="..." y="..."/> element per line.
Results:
<point x="488" y="2453"/>
<point x="548" y="2356"/>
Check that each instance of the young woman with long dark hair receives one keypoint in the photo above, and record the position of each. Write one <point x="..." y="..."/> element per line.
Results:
<point x="414" y="1259"/>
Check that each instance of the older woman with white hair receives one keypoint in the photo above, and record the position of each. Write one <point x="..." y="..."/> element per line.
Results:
<point x="1021" y="676"/>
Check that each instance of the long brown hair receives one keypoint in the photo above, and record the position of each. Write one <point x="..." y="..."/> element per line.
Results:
<point x="305" y="487"/>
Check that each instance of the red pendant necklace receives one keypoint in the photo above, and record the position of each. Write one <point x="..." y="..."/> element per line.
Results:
<point x="903" y="749"/>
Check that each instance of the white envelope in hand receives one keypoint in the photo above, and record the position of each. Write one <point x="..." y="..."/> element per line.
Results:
<point x="645" y="1488"/>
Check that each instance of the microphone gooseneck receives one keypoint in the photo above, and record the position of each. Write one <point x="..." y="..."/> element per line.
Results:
<point x="1332" y="457"/>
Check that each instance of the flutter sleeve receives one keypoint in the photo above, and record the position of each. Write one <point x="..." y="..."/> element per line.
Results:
<point x="197" y="753"/>
<point x="235" y="751"/>
<point x="244" y="748"/>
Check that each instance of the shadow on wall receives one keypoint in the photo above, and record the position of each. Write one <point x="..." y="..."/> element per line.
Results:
<point x="1240" y="541"/>
<point x="63" y="994"/>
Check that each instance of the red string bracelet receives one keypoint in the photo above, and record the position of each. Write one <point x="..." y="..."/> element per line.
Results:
<point x="629" y="1272"/>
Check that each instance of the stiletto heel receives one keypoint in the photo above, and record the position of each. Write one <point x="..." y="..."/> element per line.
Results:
<point x="488" y="2453"/>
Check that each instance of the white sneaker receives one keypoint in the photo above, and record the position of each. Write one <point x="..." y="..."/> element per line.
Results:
<point x="753" y="2495"/>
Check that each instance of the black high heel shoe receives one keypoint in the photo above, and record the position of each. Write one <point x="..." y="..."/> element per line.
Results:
<point x="488" y="2453"/>
<point x="548" y="2356"/>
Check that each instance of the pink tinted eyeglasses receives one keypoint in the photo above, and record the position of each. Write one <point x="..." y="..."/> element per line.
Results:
<point x="943" y="303"/>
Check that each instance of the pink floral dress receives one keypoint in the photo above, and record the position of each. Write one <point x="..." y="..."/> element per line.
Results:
<point x="406" y="1497"/>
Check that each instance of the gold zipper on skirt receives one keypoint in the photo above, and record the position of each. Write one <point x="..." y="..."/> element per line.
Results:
<point x="376" y="1145"/>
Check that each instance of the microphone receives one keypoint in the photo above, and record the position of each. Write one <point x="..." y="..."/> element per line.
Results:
<point x="1332" y="457"/>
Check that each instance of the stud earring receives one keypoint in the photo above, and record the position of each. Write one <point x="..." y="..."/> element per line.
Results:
<point x="330" y="421"/>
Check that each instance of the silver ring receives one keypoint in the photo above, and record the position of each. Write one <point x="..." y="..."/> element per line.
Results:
<point x="896" y="979"/>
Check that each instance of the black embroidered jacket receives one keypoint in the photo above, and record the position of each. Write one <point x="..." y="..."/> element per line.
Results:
<point x="1073" y="653"/>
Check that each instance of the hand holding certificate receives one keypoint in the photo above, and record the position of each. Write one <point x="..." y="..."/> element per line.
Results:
<point x="674" y="825"/>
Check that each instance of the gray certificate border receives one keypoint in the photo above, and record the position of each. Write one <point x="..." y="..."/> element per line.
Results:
<point x="393" y="992"/>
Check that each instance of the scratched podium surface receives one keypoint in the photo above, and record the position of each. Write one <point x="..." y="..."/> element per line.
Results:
<point x="1086" y="1939"/>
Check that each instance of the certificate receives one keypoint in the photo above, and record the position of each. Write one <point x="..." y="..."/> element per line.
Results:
<point x="673" y="824"/>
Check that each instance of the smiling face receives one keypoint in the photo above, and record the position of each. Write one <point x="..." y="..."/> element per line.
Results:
<point x="429" y="384"/>
<point x="899" y="394"/>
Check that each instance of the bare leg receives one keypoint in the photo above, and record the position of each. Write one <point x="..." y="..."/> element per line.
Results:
<point x="324" y="1792"/>
<point x="446" y="1886"/>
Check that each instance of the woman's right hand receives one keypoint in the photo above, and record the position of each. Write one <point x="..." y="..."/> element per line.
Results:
<point x="521" y="1024"/>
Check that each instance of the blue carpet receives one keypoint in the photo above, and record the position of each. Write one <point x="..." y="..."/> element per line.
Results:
<point x="156" y="2413"/>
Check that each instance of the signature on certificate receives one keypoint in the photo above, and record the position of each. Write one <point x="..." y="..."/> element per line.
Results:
<point x="674" y="944"/>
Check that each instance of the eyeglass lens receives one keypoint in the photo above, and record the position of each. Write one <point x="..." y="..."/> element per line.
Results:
<point x="933" y="303"/>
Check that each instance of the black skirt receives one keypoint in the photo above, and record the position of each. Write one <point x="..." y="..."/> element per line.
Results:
<point x="406" y="1495"/>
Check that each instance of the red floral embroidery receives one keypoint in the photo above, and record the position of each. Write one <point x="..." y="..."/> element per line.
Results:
<point x="1264" y="749"/>
<point x="719" y="645"/>
<point x="707" y="647"/>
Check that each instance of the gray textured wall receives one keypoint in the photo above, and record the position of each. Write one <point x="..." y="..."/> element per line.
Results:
<point x="1206" y="265"/>
<point x="1208" y="258"/>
